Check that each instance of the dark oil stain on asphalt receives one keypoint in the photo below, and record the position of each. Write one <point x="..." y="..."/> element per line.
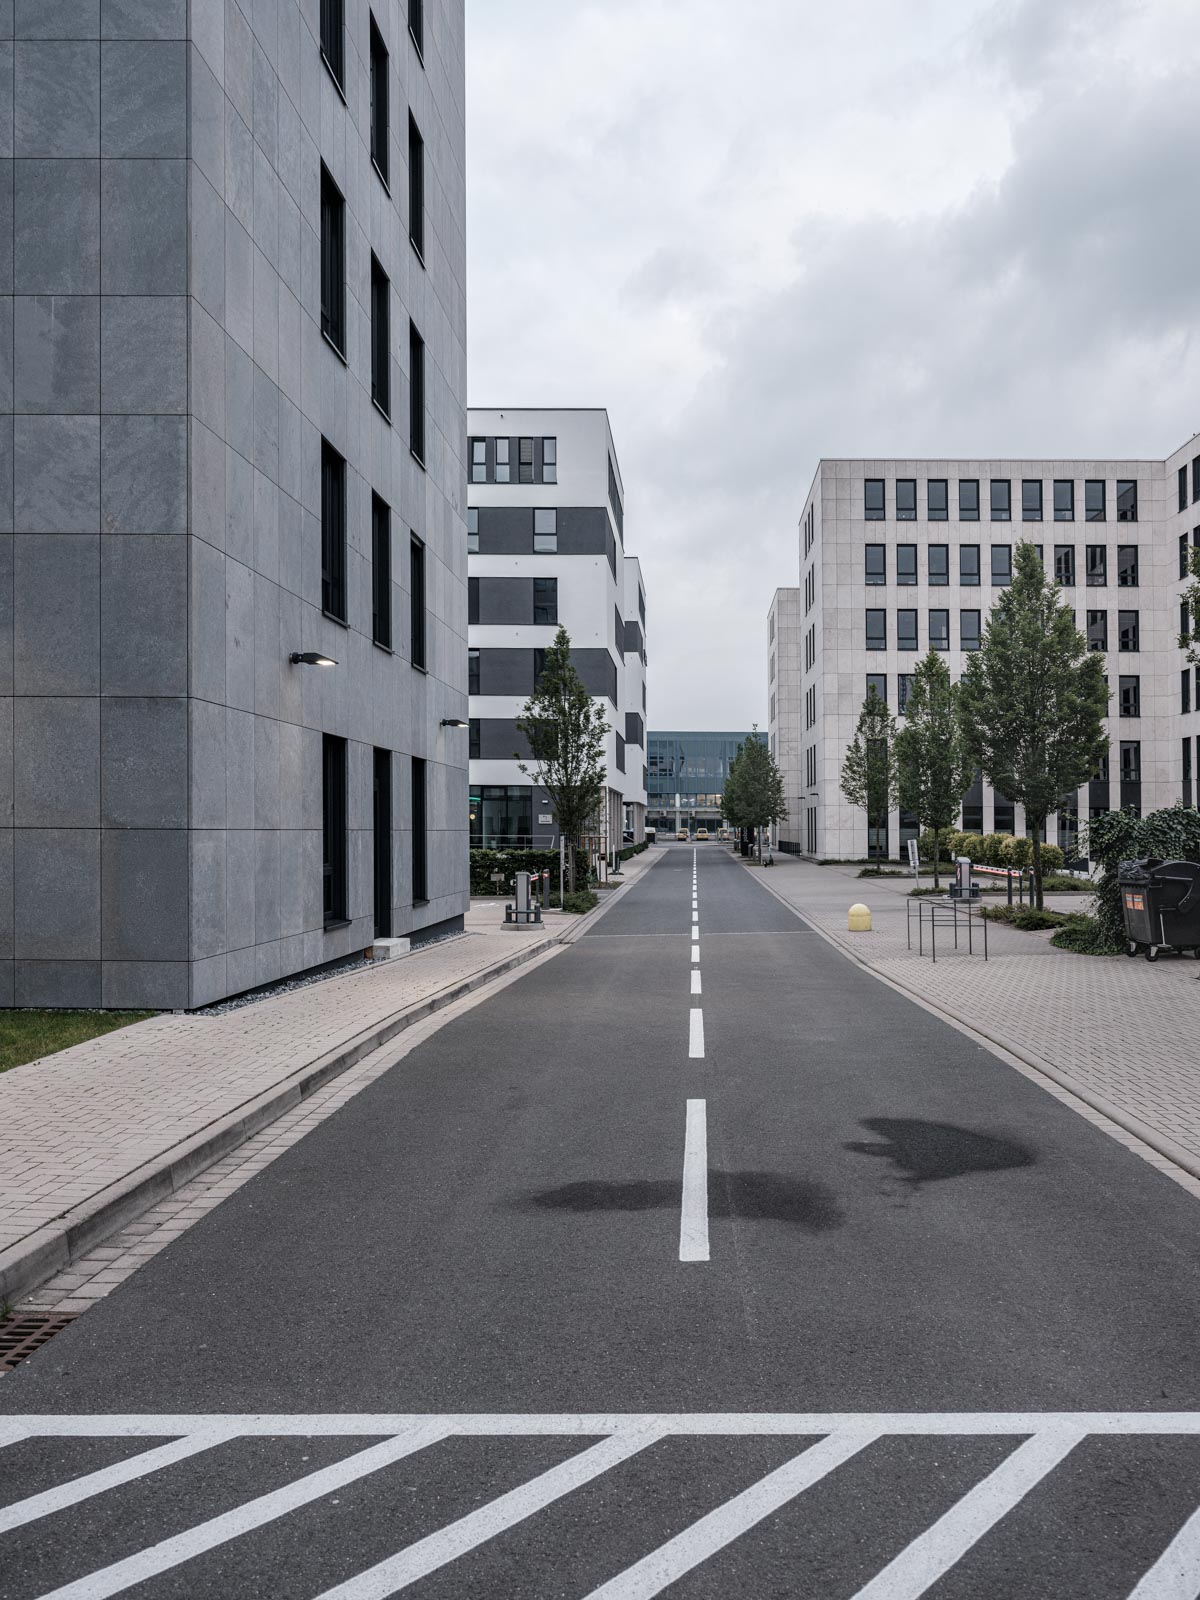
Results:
<point x="928" y="1152"/>
<point x="751" y="1196"/>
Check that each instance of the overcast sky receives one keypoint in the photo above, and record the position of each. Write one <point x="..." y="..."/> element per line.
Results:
<point x="766" y="232"/>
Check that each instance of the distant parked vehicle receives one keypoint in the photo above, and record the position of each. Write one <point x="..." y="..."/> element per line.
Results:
<point x="701" y="835"/>
<point x="682" y="834"/>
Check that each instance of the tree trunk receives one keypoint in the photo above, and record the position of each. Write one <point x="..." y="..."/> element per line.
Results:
<point x="937" y="857"/>
<point x="571" y="867"/>
<point x="1037" y="863"/>
<point x="758" y="838"/>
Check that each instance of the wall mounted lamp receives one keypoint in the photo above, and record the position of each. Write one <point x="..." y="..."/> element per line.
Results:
<point x="311" y="658"/>
<point x="453" y="722"/>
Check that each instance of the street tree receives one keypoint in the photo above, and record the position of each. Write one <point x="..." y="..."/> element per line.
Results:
<point x="754" y="793"/>
<point x="868" y="778"/>
<point x="565" y="730"/>
<point x="933" y="767"/>
<point x="1033" y="699"/>
<point x="1189" y="639"/>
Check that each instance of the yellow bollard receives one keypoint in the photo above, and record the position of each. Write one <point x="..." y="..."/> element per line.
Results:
<point x="859" y="920"/>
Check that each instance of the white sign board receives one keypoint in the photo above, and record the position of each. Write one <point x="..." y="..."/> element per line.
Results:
<point x="913" y="858"/>
<point x="544" y="819"/>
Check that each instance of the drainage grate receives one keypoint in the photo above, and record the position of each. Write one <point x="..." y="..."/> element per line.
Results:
<point x="21" y="1335"/>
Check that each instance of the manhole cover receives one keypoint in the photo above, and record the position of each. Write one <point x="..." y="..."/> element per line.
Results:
<point x="21" y="1335"/>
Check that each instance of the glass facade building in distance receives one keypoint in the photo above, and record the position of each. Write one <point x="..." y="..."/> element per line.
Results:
<point x="694" y="766"/>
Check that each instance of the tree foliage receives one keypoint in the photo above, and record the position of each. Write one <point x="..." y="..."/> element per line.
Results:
<point x="933" y="766"/>
<point x="753" y="796"/>
<point x="1189" y="639"/>
<point x="1172" y="834"/>
<point x="1033" y="700"/>
<point x="869" y="779"/>
<point x="566" y="732"/>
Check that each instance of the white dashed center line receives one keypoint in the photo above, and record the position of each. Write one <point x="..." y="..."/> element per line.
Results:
<point x="696" y="1033"/>
<point x="693" y="1216"/>
<point x="696" y="982"/>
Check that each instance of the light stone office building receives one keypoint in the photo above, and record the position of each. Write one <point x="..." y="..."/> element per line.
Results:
<point x="896" y="557"/>
<point x="546" y="531"/>
<point x="235" y="433"/>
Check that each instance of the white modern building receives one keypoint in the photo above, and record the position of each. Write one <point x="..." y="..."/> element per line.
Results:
<point x="897" y="556"/>
<point x="546" y="547"/>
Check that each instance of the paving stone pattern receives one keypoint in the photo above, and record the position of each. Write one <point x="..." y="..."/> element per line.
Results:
<point x="1125" y="1030"/>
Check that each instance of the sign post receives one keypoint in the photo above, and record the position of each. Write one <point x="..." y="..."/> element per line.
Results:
<point x="562" y="868"/>
<point x="914" y="859"/>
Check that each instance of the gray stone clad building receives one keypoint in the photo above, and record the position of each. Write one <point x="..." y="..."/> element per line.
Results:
<point x="233" y="432"/>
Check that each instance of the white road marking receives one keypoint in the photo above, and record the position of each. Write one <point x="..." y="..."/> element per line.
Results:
<point x="695" y="916"/>
<point x="1176" y="1573"/>
<point x="693" y="1212"/>
<point x="204" y="1536"/>
<point x="919" y="1566"/>
<point x="695" y="952"/>
<point x="695" y="982"/>
<point x="447" y="1544"/>
<point x="667" y="1564"/>
<point x="696" y="1033"/>
<point x="77" y="1489"/>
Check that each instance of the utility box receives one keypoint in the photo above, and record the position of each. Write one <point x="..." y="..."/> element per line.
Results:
<point x="962" y="888"/>
<point x="524" y="912"/>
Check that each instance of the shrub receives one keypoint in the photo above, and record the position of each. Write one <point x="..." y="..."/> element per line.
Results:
<point x="1170" y="834"/>
<point x="1055" y="883"/>
<point x="509" y="862"/>
<point x="1015" y="851"/>
<point x="881" y="872"/>
<point x="582" y="900"/>
<point x="1026" y="918"/>
<point x="1084" y="936"/>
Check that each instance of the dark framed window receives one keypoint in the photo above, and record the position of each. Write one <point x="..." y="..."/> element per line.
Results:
<point x="1064" y="500"/>
<point x="1097" y="566"/>
<point x="1064" y="565"/>
<point x="381" y="572"/>
<point x="876" y="630"/>
<point x="474" y="741"/>
<point x="1185" y="690"/>
<point x="968" y="630"/>
<point x="1127" y="566"/>
<point x="416" y="26"/>
<point x="545" y="531"/>
<point x="1128" y="631"/>
<point x="502" y="464"/>
<point x="379" y="101"/>
<point x="1130" y="691"/>
<point x="1001" y="565"/>
<point x="545" y="601"/>
<point x="939" y="630"/>
<point x="472" y="530"/>
<point x="478" y="460"/>
<point x="876" y="563"/>
<point x="420" y="838"/>
<point x="1001" y="500"/>
<point x="903" y="686"/>
<point x="333" y="532"/>
<point x="416" y="187"/>
<point x="939" y="564"/>
<point x="878" y="682"/>
<point x="968" y="565"/>
<point x="906" y="564"/>
<point x="1095" y="500"/>
<point x="333" y="828"/>
<point x="381" y="339"/>
<point x="472" y="600"/>
<point x="382" y="841"/>
<point x="1031" y="500"/>
<point x="1187" y="771"/>
<point x="416" y="595"/>
<point x="874" y="500"/>
<point x="1127" y="510"/>
<point x="524" y="460"/>
<point x="937" y="499"/>
<point x="1183" y="489"/>
<point x="333" y="263"/>
<point x="473" y="672"/>
<point x="1097" y="630"/>
<point x="539" y="666"/>
<point x="549" y="460"/>
<point x="968" y="499"/>
<point x="416" y="397"/>
<point x="1184" y="555"/>
<point x="1131" y="761"/>
<point x="333" y="38"/>
<point x="1195" y="478"/>
<point x="906" y="630"/>
<point x="906" y="499"/>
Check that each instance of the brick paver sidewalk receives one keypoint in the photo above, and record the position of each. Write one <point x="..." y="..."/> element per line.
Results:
<point x="78" y="1128"/>
<point x="1123" y="1034"/>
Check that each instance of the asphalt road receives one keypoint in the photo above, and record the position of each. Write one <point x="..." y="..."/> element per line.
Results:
<point x="895" y="1225"/>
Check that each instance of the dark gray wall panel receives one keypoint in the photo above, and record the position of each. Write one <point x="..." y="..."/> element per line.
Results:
<point x="506" y="601"/>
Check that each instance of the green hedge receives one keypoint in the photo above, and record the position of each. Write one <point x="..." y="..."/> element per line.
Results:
<point x="1116" y="836"/>
<point x="510" y="862"/>
<point x="991" y="850"/>
<point x="632" y="850"/>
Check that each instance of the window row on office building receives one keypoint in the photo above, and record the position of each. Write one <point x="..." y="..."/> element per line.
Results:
<point x="835" y="634"/>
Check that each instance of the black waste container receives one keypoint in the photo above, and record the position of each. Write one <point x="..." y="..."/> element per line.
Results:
<point x="1133" y="878"/>
<point x="1175" y="903"/>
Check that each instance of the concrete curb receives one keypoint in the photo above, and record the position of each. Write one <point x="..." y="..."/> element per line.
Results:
<point x="49" y="1249"/>
<point x="1151" y="1137"/>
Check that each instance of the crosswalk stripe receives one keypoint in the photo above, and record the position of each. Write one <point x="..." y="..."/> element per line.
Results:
<point x="78" y="1489"/>
<point x="436" y="1550"/>
<point x="666" y="1565"/>
<point x="1176" y="1573"/>
<point x="266" y="1508"/>
<point x="919" y="1566"/>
